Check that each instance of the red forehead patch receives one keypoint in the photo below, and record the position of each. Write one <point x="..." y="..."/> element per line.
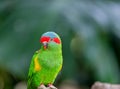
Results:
<point x="44" y="38"/>
<point x="57" y="40"/>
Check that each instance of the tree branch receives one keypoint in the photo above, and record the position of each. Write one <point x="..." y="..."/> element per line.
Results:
<point x="99" y="85"/>
<point x="43" y="87"/>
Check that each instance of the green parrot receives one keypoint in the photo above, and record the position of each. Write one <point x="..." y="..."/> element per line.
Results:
<point x="46" y="62"/>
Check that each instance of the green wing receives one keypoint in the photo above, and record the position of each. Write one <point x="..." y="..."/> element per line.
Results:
<point x="31" y="72"/>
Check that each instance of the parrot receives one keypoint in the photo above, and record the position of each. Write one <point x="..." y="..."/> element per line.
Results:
<point x="46" y="62"/>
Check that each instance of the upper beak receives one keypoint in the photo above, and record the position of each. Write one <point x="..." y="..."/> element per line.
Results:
<point x="45" y="45"/>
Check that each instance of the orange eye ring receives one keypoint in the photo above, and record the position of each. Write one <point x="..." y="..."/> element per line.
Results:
<point x="47" y="39"/>
<point x="44" y="38"/>
<point x="56" y="40"/>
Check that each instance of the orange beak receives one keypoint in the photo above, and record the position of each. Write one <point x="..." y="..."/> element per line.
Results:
<point x="45" y="45"/>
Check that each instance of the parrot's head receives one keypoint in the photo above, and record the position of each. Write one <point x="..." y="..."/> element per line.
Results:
<point x="50" y="40"/>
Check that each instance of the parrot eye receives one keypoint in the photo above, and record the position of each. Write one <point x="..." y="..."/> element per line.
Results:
<point x="56" y="40"/>
<point x="44" y="38"/>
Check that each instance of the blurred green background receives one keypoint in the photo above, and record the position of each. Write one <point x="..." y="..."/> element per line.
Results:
<point x="90" y="33"/>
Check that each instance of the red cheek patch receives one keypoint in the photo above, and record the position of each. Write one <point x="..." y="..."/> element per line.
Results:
<point x="44" y="38"/>
<point x="57" y="40"/>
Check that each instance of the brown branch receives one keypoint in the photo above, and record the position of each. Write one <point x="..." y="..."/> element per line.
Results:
<point x="43" y="87"/>
<point x="46" y="88"/>
<point x="99" y="85"/>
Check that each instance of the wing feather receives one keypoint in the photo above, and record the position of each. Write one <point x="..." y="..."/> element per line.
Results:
<point x="31" y="71"/>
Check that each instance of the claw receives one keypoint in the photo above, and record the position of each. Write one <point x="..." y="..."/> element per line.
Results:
<point x="42" y="86"/>
<point x="51" y="86"/>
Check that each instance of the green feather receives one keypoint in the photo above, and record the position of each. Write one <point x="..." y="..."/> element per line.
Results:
<point x="50" y="61"/>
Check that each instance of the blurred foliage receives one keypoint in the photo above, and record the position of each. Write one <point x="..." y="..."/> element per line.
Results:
<point x="90" y="33"/>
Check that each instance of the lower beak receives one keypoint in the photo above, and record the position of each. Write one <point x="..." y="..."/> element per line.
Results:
<point x="45" y="45"/>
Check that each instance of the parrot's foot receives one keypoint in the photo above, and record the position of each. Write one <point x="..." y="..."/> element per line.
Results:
<point x="51" y="86"/>
<point x="42" y="86"/>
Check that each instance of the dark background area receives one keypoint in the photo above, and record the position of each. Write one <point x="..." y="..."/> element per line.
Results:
<point x="90" y="33"/>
